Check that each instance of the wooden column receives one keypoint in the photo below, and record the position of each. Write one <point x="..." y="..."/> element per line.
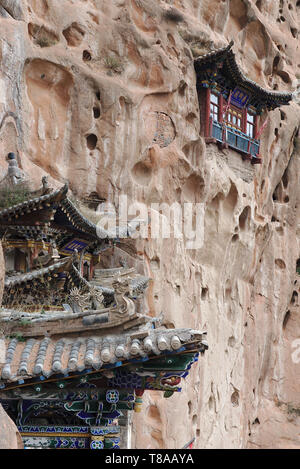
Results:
<point x="20" y="261"/>
<point x="207" y="113"/>
<point x="244" y="123"/>
<point x="256" y="119"/>
<point x="221" y="108"/>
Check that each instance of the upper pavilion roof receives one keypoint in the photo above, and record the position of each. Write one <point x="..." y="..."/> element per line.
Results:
<point x="57" y="210"/>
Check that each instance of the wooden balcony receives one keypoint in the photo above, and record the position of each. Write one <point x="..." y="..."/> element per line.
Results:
<point x="233" y="138"/>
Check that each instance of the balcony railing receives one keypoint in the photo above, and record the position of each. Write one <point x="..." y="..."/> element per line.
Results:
<point x="235" y="139"/>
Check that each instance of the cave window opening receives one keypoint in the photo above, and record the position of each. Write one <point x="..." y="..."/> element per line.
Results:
<point x="86" y="56"/>
<point x="258" y="4"/>
<point x="204" y="293"/>
<point x="91" y="141"/>
<point x="294" y="297"/>
<point x="96" y="112"/>
<point x="286" y="319"/>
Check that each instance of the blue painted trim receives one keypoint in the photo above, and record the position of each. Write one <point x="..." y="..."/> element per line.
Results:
<point x="173" y="352"/>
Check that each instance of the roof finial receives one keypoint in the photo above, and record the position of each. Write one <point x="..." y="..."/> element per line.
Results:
<point x="46" y="186"/>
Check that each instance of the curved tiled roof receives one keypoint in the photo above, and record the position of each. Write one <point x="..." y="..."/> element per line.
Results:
<point x="49" y="357"/>
<point x="59" y="200"/>
<point x="31" y="205"/>
<point x="215" y="55"/>
<point x="226" y="56"/>
<point x="77" y="218"/>
<point x="34" y="274"/>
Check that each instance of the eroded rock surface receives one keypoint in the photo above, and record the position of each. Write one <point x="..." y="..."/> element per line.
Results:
<point x="103" y="94"/>
<point x="9" y="435"/>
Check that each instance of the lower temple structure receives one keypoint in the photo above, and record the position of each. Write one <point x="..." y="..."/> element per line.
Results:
<point x="76" y="391"/>
<point x="77" y="350"/>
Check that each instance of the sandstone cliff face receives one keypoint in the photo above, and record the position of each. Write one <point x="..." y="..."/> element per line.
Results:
<point x="9" y="435"/>
<point x="102" y="93"/>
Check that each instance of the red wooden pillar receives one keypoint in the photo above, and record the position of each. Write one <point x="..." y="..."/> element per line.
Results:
<point x="20" y="261"/>
<point x="221" y="108"/>
<point x="207" y="113"/>
<point x="222" y="104"/>
<point x="244" y="120"/>
<point x="255" y="126"/>
<point x="255" y="132"/>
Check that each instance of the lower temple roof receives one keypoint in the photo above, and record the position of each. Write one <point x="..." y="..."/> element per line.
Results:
<point x="137" y="283"/>
<point x="44" y="358"/>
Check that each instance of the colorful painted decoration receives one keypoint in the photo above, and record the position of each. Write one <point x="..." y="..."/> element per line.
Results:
<point x="138" y="404"/>
<point x="112" y="396"/>
<point x="112" y="443"/>
<point x="55" y="443"/>
<point x="97" y="444"/>
<point x="239" y="98"/>
<point x="77" y="244"/>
